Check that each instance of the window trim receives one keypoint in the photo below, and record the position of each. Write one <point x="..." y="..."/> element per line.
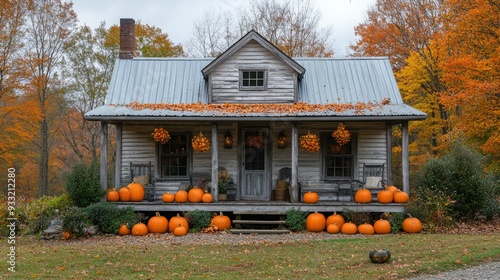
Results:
<point x="189" y="159"/>
<point x="353" y="155"/>
<point x="246" y="88"/>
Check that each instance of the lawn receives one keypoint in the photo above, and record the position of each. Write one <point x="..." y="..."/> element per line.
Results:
<point x="167" y="257"/>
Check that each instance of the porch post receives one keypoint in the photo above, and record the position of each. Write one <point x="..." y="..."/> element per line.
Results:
<point x="389" y="154"/>
<point x="118" y="156"/>
<point x="104" y="157"/>
<point x="405" y="157"/>
<point x="215" y="163"/>
<point x="294" y="185"/>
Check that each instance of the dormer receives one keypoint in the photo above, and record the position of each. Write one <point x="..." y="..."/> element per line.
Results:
<point x="253" y="70"/>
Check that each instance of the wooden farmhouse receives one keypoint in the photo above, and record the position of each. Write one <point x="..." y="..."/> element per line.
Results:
<point x="255" y="106"/>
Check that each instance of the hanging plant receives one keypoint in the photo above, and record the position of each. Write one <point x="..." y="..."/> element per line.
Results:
<point x="200" y="143"/>
<point x="255" y="141"/>
<point x="161" y="135"/>
<point x="342" y="135"/>
<point x="309" y="142"/>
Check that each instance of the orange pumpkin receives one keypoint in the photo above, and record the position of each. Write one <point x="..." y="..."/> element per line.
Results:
<point x="315" y="222"/>
<point x="113" y="195"/>
<point x="181" y="196"/>
<point x="363" y="196"/>
<point x="382" y="227"/>
<point x="221" y="222"/>
<point x="412" y="225"/>
<point x="157" y="224"/>
<point x="195" y="195"/>
<point x="366" y="229"/>
<point x="136" y="191"/>
<point x="333" y="228"/>
<point x="139" y="229"/>
<point x="349" y="228"/>
<point x="401" y="197"/>
<point x="207" y="197"/>
<point x="392" y="189"/>
<point x="180" y="231"/>
<point x="168" y="197"/>
<point x="335" y="219"/>
<point x="310" y="197"/>
<point x="123" y="230"/>
<point x="124" y="194"/>
<point x="175" y="221"/>
<point x="385" y="196"/>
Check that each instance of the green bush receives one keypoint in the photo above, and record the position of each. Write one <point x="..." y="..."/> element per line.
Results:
<point x="109" y="217"/>
<point x="198" y="219"/>
<point x="75" y="221"/>
<point x="296" y="220"/>
<point x="396" y="220"/>
<point x="35" y="216"/>
<point x="83" y="184"/>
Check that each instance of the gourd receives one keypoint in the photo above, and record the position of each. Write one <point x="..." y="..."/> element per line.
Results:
<point x="310" y="197"/>
<point x="385" y="196"/>
<point x="181" y="196"/>
<point x="401" y="197"/>
<point x="366" y="229"/>
<point x="195" y="195"/>
<point x="363" y="196"/>
<point x="136" y="191"/>
<point x="380" y="255"/>
<point x="207" y="197"/>
<point x="175" y="221"/>
<point x="124" y="194"/>
<point x="349" y="228"/>
<point x="139" y="229"/>
<point x="221" y="222"/>
<point x="180" y="230"/>
<point x="157" y="224"/>
<point x="123" y="230"/>
<point x="168" y="197"/>
<point x="333" y="228"/>
<point x="335" y="219"/>
<point x="412" y="225"/>
<point x="113" y="195"/>
<point x="382" y="227"/>
<point x="315" y="222"/>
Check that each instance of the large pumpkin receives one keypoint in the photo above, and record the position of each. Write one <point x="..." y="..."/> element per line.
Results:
<point x="176" y="221"/>
<point x="181" y="196"/>
<point x="412" y="225"/>
<point x="315" y="222"/>
<point x="113" y="195"/>
<point x="349" y="228"/>
<point x="195" y="195"/>
<point x="385" y="196"/>
<point x="123" y="230"/>
<point x="124" y="194"/>
<point x="363" y="196"/>
<point x="139" y="229"/>
<point x="207" y="197"/>
<point x="221" y="222"/>
<point x="310" y="197"/>
<point x="136" y="191"/>
<point x="366" y="229"/>
<point x="401" y="197"/>
<point x="382" y="227"/>
<point x="335" y="219"/>
<point x="157" y="224"/>
<point x="168" y="197"/>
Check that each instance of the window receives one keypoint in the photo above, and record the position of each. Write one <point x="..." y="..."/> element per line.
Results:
<point x="338" y="160"/>
<point x="253" y="79"/>
<point x="174" y="157"/>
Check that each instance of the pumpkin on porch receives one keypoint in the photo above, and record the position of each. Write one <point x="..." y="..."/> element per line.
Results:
<point x="195" y="195"/>
<point x="157" y="224"/>
<point x="401" y="197"/>
<point x="315" y="222"/>
<point x="124" y="194"/>
<point x="221" y="222"/>
<point x="181" y="196"/>
<point x="139" y="229"/>
<point x="335" y="219"/>
<point x="385" y="196"/>
<point x="363" y="196"/>
<point x="175" y="221"/>
<point x="207" y="197"/>
<point x="113" y="195"/>
<point x="168" y="197"/>
<point x="392" y="189"/>
<point x="310" y="197"/>
<point x="136" y="191"/>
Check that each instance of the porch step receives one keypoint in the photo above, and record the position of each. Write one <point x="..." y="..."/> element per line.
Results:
<point x="257" y="222"/>
<point x="254" y="222"/>
<point x="259" y="231"/>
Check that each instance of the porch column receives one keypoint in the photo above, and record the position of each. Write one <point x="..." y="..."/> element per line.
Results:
<point x="104" y="157"/>
<point x="405" y="157"/>
<point x="294" y="184"/>
<point x="215" y="162"/>
<point x="389" y="154"/>
<point x="118" y="156"/>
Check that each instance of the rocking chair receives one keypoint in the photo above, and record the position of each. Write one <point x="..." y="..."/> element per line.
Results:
<point x="142" y="173"/>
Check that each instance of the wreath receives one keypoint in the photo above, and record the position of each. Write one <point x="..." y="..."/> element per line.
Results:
<point x="342" y="135"/>
<point x="255" y="141"/>
<point x="309" y="142"/>
<point x="200" y="143"/>
<point x="161" y="135"/>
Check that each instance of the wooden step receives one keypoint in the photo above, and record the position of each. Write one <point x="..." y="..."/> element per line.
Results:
<point x="258" y="213"/>
<point x="259" y="231"/>
<point x="256" y="222"/>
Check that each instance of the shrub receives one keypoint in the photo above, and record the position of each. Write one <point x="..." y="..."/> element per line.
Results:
<point x="396" y="221"/>
<point x="35" y="215"/>
<point x="198" y="219"/>
<point x="296" y="220"/>
<point x="433" y="207"/>
<point x="75" y="221"/>
<point x="109" y="217"/>
<point x="83" y="184"/>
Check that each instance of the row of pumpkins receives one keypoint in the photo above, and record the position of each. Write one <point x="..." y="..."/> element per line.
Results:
<point x="389" y="195"/>
<point x="335" y="223"/>
<point x="135" y="192"/>
<point x="177" y="225"/>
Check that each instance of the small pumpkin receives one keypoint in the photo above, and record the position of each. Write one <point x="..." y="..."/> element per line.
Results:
<point x="401" y="197"/>
<point x="333" y="228"/>
<point x="382" y="227"/>
<point x="380" y="255"/>
<point x="315" y="222"/>
<point x="363" y="196"/>
<point x="310" y="197"/>
<point x="349" y="228"/>
<point x="385" y="196"/>
<point x="180" y="230"/>
<point x="139" y="229"/>
<point x="207" y="197"/>
<point x="412" y="225"/>
<point x="366" y="229"/>
<point x="157" y="224"/>
<point x="195" y="195"/>
<point x="168" y="197"/>
<point x="124" y="194"/>
<point x="175" y="221"/>
<point x="136" y="191"/>
<point x="335" y="219"/>
<point x="123" y="230"/>
<point x="221" y="222"/>
<point x="181" y="196"/>
<point x="392" y="189"/>
<point x="113" y="195"/>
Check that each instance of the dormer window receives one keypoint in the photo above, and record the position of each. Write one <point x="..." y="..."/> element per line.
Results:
<point x="253" y="79"/>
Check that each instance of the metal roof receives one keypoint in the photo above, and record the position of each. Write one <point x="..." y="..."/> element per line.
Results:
<point x="180" y="80"/>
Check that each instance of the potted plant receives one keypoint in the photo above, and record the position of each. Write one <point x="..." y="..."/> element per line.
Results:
<point x="281" y="190"/>
<point x="224" y="182"/>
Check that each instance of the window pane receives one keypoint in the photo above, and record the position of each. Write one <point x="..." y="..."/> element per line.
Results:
<point x="174" y="157"/>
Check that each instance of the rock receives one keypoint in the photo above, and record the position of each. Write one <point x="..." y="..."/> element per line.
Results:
<point x="53" y="231"/>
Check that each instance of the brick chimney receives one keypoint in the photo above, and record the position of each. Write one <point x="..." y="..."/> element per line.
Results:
<point x="127" y="38"/>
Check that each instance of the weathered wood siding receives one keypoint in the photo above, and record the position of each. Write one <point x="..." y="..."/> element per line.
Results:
<point x="224" y="80"/>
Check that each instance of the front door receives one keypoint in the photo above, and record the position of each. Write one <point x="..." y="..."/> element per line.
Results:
<point x="254" y="165"/>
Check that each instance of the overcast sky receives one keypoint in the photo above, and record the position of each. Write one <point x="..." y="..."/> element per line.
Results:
<point x="176" y="17"/>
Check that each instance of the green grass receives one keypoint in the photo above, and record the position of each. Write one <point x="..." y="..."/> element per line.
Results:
<point x="343" y="258"/>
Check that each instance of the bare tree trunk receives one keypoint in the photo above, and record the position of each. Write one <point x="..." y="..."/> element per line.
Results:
<point x="44" y="156"/>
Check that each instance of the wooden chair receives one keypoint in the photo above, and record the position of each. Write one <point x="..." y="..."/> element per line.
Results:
<point x="142" y="172"/>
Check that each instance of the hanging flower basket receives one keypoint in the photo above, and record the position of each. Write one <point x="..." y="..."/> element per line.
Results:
<point x="309" y="142"/>
<point x="255" y="141"/>
<point x="200" y="143"/>
<point x="161" y="135"/>
<point x="342" y="135"/>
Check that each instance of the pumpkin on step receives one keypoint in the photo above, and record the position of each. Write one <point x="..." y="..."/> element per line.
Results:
<point x="168" y="197"/>
<point x="136" y="191"/>
<point x="181" y="196"/>
<point x="310" y="197"/>
<point x="385" y="196"/>
<point x="401" y="197"/>
<point x="113" y="195"/>
<point x="195" y="195"/>
<point x="124" y="194"/>
<point x="207" y="197"/>
<point x="363" y="196"/>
